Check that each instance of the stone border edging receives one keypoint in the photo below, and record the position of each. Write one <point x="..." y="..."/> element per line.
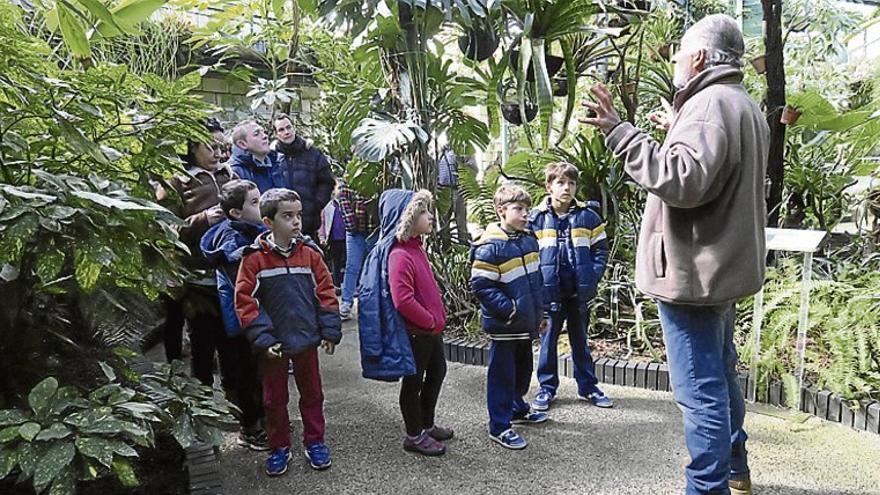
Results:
<point x="655" y="376"/>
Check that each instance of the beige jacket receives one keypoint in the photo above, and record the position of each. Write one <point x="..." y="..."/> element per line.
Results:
<point x="702" y="236"/>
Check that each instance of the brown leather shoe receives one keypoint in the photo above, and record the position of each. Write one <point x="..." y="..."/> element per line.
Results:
<point x="740" y="486"/>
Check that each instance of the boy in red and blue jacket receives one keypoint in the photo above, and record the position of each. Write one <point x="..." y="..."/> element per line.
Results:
<point x="574" y="252"/>
<point x="506" y="279"/>
<point x="286" y="303"/>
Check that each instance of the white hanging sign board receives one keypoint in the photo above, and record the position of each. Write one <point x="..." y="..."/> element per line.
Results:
<point x="792" y="240"/>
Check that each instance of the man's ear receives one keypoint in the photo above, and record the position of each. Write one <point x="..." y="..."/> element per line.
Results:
<point x="700" y="59"/>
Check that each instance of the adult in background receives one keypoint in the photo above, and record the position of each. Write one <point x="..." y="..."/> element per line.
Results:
<point x="199" y="206"/>
<point x="308" y="173"/>
<point x="361" y="219"/>
<point x="701" y="246"/>
<point x="253" y="159"/>
<point x="447" y="177"/>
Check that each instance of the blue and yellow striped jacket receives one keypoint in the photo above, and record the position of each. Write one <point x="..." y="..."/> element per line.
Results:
<point x="590" y="243"/>
<point x="506" y="279"/>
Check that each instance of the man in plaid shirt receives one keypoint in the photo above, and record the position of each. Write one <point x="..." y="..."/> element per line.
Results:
<point x="360" y="218"/>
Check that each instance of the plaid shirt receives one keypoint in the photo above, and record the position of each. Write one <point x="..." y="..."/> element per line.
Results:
<point x="354" y="211"/>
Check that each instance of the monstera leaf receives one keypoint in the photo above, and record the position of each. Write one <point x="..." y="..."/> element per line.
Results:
<point x="376" y="139"/>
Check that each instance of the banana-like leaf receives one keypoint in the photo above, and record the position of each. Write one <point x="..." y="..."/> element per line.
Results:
<point x="571" y="80"/>
<point x="376" y="139"/>
<point x="525" y="59"/>
<point x="104" y="16"/>
<point x="545" y="91"/>
<point x="129" y="13"/>
<point x="73" y="31"/>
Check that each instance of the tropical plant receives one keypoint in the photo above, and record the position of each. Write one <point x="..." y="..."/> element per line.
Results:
<point x="65" y="437"/>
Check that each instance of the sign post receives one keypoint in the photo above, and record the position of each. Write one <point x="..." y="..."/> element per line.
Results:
<point x="793" y="241"/>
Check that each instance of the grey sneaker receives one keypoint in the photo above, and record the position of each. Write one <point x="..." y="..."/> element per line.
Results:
<point x="345" y="311"/>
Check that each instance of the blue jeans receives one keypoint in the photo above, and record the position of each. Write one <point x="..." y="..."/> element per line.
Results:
<point x="507" y="381"/>
<point x="702" y="372"/>
<point x="357" y="245"/>
<point x="577" y="314"/>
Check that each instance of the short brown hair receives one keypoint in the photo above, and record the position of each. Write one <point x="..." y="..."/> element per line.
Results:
<point x="233" y="194"/>
<point x="511" y="193"/>
<point x="270" y="200"/>
<point x="558" y="170"/>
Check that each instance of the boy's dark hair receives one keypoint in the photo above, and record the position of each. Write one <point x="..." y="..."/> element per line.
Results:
<point x="558" y="170"/>
<point x="233" y="194"/>
<point x="270" y="200"/>
<point x="511" y="193"/>
<point x="280" y="117"/>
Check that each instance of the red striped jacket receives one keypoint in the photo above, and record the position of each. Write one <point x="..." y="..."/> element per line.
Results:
<point x="288" y="299"/>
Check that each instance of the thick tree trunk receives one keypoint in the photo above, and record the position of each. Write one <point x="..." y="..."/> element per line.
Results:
<point x="775" y="102"/>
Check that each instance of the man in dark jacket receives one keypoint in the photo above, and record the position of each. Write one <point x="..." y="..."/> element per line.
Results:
<point x="308" y="173"/>
<point x="253" y="160"/>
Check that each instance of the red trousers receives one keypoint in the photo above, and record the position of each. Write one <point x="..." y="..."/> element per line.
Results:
<point x="275" y="397"/>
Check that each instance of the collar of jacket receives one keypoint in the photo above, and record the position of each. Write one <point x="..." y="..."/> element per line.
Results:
<point x="721" y="74"/>
<point x="546" y="205"/>
<point x="495" y="232"/>
<point x="244" y="157"/>
<point x="193" y="172"/>
<point x="295" y="147"/>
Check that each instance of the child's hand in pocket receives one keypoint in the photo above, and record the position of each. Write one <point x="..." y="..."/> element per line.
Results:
<point x="329" y="347"/>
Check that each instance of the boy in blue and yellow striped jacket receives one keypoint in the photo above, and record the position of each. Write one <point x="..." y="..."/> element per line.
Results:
<point x="573" y="253"/>
<point x="506" y="279"/>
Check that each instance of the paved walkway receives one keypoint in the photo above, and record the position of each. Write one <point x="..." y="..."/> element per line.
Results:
<point x="635" y="448"/>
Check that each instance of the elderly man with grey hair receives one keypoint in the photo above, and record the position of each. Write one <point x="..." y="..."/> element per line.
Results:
<point x="701" y="245"/>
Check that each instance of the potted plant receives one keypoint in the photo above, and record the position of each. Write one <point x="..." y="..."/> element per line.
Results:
<point x="760" y="64"/>
<point x="478" y="43"/>
<point x="790" y="115"/>
<point x="554" y="64"/>
<point x="560" y="86"/>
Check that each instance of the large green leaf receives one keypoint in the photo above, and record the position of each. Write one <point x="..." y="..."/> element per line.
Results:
<point x="55" y="432"/>
<point x="545" y="91"/>
<point x="376" y="139"/>
<point x="73" y="31"/>
<point x="41" y="394"/>
<point x="571" y="81"/>
<point x="130" y="13"/>
<point x="8" y="461"/>
<point x="525" y="59"/>
<point x="124" y="472"/>
<point x="12" y="417"/>
<point x="52" y="463"/>
<point x="183" y="431"/>
<point x="99" y="448"/>
<point x="107" y="23"/>
<point x="29" y="430"/>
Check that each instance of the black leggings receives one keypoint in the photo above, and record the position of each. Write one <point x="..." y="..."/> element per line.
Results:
<point x="419" y="392"/>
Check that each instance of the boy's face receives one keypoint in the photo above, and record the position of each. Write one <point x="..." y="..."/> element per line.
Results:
<point x="287" y="223"/>
<point x="562" y="189"/>
<point x="424" y="224"/>
<point x="250" y="210"/>
<point x="514" y="216"/>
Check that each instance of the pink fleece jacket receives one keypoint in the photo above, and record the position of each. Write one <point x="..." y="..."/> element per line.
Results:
<point x="414" y="289"/>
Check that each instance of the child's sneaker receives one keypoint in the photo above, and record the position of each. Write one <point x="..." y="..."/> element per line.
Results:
<point x="510" y="439"/>
<point x="532" y="417"/>
<point x="254" y="439"/>
<point x="439" y="433"/>
<point x="319" y="456"/>
<point x="598" y="399"/>
<point x="542" y="400"/>
<point x="276" y="464"/>
<point x="424" y="444"/>
<point x="345" y="311"/>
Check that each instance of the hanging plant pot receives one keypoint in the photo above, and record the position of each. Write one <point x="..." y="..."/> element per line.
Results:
<point x="560" y="87"/>
<point x="554" y="64"/>
<point x="760" y="64"/>
<point x="790" y="115"/>
<point x="478" y="44"/>
<point x="510" y="112"/>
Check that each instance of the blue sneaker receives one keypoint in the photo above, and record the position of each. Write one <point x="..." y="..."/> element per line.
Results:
<point x="319" y="456"/>
<point x="510" y="439"/>
<point x="542" y="400"/>
<point x="276" y="464"/>
<point x="598" y="399"/>
<point x="532" y="417"/>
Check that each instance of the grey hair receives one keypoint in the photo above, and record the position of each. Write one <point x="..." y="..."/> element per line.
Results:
<point x="720" y="36"/>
